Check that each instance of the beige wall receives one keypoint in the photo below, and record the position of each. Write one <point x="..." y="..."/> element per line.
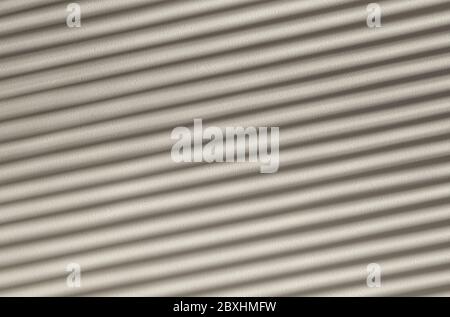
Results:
<point x="86" y="174"/>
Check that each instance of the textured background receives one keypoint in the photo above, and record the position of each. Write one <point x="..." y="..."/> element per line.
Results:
<point x="86" y="174"/>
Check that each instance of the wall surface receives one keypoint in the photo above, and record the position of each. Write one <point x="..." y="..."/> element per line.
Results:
<point x="86" y="175"/>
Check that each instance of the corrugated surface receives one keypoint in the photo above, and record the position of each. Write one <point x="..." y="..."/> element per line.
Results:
<point x="86" y="174"/>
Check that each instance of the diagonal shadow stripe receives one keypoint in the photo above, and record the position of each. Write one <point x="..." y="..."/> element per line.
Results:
<point x="393" y="168"/>
<point x="305" y="122"/>
<point x="152" y="25"/>
<point x="48" y="27"/>
<point x="411" y="273"/>
<point x="281" y="62"/>
<point x="147" y="47"/>
<point x="32" y="8"/>
<point x="407" y="208"/>
<point x="206" y="34"/>
<point x="395" y="17"/>
<point x="254" y="238"/>
<point x="302" y="79"/>
<point x="263" y="108"/>
<point x="292" y="274"/>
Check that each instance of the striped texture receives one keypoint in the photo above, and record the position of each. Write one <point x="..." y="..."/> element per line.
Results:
<point x="86" y="174"/>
